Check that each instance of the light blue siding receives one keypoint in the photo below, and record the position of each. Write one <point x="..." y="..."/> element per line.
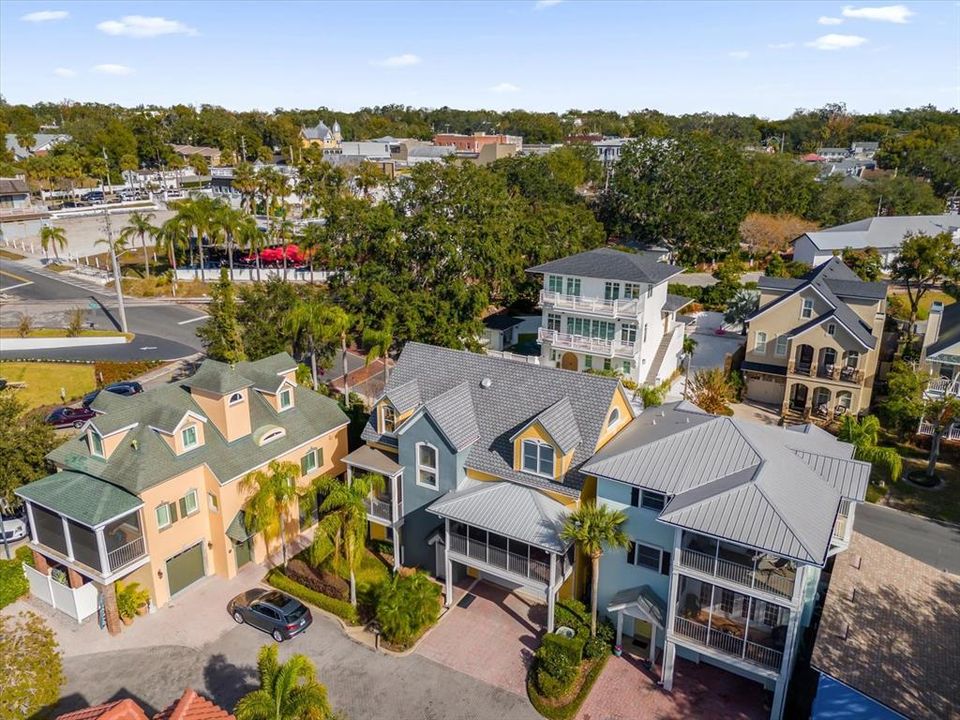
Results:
<point x="836" y="701"/>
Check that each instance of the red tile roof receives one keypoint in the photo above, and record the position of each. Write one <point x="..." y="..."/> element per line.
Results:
<point x="193" y="707"/>
<point x="118" y="710"/>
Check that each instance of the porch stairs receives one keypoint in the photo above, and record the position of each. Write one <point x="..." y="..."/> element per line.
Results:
<point x="661" y="354"/>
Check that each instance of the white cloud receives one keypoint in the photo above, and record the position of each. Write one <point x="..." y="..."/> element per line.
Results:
<point x="395" y="61"/>
<point x="544" y="4"/>
<point x="64" y="72"/>
<point x="112" y="69"/>
<point x="824" y="20"/>
<point x="781" y="46"/>
<point x="504" y="87"/>
<point x="45" y="15"/>
<point x="739" y="54"/>
<point x="836" y="42"/>
<point x="141" y="26"/>
<point x="899" y="14"/>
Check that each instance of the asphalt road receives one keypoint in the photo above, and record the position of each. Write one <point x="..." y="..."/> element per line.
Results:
<point x="929" y="541"/>
<point x="164" y="331"/>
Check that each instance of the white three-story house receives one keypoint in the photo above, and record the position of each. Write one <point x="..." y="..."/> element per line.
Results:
<point x="609" y="309"/>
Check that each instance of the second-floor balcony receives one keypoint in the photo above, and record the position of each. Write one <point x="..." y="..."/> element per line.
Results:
<point x="738" y="565"/>
<point x="626" y="307"/>
<point x="517" y="558"/>
<point x="582" y="343"/>
<point x="951" y="435"/>
<point x="943" y="387"/>
<point x="381" y="508"/>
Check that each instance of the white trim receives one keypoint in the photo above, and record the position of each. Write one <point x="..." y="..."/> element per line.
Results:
<point x="231" y="402"/>
<point x="435" y="469"/>
<point x="272" y="435"/>
<point x="280" y="406"/>
<point x="156" y="517"/>
<point x="170" y="433"/>
<point x="779" y="301"/>
<point x="196" y="500"/>
<point x="539" y="444"/>
<point x="833" y="318"/>
<point x="103" y="451"/>
<point x="183" y="438"/>
<point x="660" y="550"/>
<point x="91" y="423"/>
<point x="286" y="381"/>
<point x="612" y="421"/>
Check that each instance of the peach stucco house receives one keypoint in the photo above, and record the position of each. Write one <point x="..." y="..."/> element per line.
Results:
<point x="149" y="491"/>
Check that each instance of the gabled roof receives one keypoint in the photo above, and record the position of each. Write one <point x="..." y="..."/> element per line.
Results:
<point x="144" y="459"/>
<point x="217" y="377"/>
<point x="403" y="396"/>
<point x="518" y="512"/>
<point x="611" y="264"/>
<point x="643" y="598"/>
<point x="192" y="706"/>
<point x="268" y="373"/>
<point x="319" y="132"/>
<point x="559" y="423"/>
<point x="453" y="413"/>
<point x="881" y="232"/>
<point x="675" y="302"/>
<point x="515" y="394"/>
<point x="949" y="329"/>
<point x="761" y="486"/>
<point x="125" y="709"/>
<point x="83" y="498"/>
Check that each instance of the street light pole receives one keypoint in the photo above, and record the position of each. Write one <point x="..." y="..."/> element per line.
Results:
<point x="118" y="286"/>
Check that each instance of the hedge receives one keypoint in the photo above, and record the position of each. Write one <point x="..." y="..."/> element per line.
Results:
<point x="340" y="608"/>
<point x="13" y="581"/>
<point x="572" y="647"/>
<point x="570" y="709"/>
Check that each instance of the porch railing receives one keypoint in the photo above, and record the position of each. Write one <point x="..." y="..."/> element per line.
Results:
<point x="379" y="508"/>
<point x="728" y="643"/>
<point x="500" y="558"/>
<point x="592" y="305"/>
<point x="927" y="428"/>
<point x="943" y="387"/>
<point x="126" y="554"/>
<point x="851" y="375"/>
<point x="596" y="346"/>
<point x="745" y="575"/>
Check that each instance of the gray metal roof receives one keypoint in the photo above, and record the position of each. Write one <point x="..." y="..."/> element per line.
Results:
<point x="516" y="394"/>
<point x="949" y="329"/>
<point x="516" y="511"/>
<point x="368" y="458"/>
<point x="611" y="264"/>
<point x="319" y="132"/>
<point x="644" y="598"/>
<point x="453" y="413"/>
<point x="762" y="486"/>
<point x="882" y="232"/>
<point x="675" y="302"/>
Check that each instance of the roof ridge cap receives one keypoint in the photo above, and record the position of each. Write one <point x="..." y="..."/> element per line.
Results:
<point x="783" y="518"/>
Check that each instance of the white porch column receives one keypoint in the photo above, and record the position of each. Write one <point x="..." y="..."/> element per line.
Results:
<point x="396" y="548"/>
<point x="620" y="628"/>
<point x="349" y="475"/>
<point x="653" y="644"/>
<point x="552" y="592"/>
<point x="33" y="525"/>
<point x="669" y="656"/>
<point x="447" y="563"/>
<point x="66" y="536"/>
<point x="102" y="548"/>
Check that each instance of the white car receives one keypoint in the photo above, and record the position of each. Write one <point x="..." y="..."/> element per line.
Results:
<point x="13" y="529"/>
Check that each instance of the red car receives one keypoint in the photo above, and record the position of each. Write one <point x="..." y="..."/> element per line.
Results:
<point x="69" y="417"/>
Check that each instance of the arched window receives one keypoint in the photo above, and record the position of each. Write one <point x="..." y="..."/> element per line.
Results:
<point x="236" y="398"/>
<point x="268" y="434"/>
<point x="614" y="418"/>
<point x="427" y="466"/>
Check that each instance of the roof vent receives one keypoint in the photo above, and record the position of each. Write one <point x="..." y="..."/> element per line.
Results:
<point x="855" y="562"/>
<point x="843" y="630"/>
<point x="486" y="383"/>
<point x="135" y="444"/>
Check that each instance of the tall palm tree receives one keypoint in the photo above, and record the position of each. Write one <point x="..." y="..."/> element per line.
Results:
<point x="225" y="220"/>
<point x="249" y="236"/>
<point x="594" y="528"/>
<point x="379" y="342"/>
<point x="55" y="237"/>
<point x="245" y="182"/>
<point x="306" y="323"/>
<point x="198" y="213"/>
<point x="338" y="326"/>
<point x="173" y="236"/>
<point x="270" y="505"/>
<point x="288" y="691"/>
<point x="864" y="435"/>
<point x="344" y="520"/>
<point x="283" y="234"/>
<point x="313" y="240"/>
<point x="139" y="225"/>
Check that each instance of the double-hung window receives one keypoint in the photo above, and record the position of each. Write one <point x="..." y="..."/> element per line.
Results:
<point x="553" y="322"/>
<point x="631" y="291"/>
<point x="573" y="286"/>
<point x="189" y="504"/>
<point x="611" y="290"/>
<point x="164" y="516"/>
<point x="309" y="462"/>
<point x="760" y="347"/>
<point x="806" y="312"/>
<point x="188" y="436"/>
<point x="286" y="399"/>
<point x="427" y="466"/>
<point x="628" y="332"/>
<point x="555" y="284"/>
<point x="649" y="556"/>
<point x="538" y="458"/>
<point x="780" y="350"/>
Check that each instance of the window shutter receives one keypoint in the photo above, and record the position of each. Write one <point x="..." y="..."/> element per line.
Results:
<point x="635" y="497"/>
<point x="183" y="507"/>
<point x="303" y="464"/>
<point x="173" y="512"/>
<point x="664" y="563"/>
<point x="319" y="457"/>
<point x="632" y="553"/>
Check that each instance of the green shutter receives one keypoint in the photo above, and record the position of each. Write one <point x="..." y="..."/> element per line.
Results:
<point x="319" y="457"/>
<point x="183" y="506"/>
<point x="303" y="464"/>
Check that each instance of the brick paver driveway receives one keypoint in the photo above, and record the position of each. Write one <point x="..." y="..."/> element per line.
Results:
<point x="626" y="690"/>
<point x="492" y="639"/>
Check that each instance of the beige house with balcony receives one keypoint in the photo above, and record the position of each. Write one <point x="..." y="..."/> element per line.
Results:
<point x="812" y="345"/>
<point x="608" y="309"/>
<point x="149" y="491"/>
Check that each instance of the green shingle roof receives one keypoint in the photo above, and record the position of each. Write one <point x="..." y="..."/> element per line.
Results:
<point x="86" y="499"/>
<point x="217" y="377"/>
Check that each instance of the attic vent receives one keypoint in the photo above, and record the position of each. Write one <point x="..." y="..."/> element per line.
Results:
<point x="852" y="594"/>
<point x="135" y="444"/>
<point x="486" y="383"/>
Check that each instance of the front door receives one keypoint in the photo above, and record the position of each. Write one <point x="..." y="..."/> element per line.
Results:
<point x="798" y="397"/>
<point x="185" y="568"/>
<point x="569" y="361"/>
<point x="243" y="552"/>
<point x="641" y="636"/>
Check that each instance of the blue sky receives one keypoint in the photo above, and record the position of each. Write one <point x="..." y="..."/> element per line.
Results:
<point x="762" y="58"/>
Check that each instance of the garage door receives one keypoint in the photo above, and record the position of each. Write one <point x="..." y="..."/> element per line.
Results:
<point x="762" y="389"/>
<point x="185" y="568"/>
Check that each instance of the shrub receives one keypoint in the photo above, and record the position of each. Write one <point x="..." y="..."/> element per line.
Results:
<point x="13" y="582"/>
<point x="25" y="325"/>
<point x="405" y="606"/>
<point x="337" y="607"/>
<point x="691" y="291"/>
<point x="75" y="323"/>
<point x="111" y="372"/>
<point x="130" y="598"/>
<point x="555" y="670"/>
<point x="319" y="581"/>
<point x="652" y="396"/>
<point x="571" y="647"/>
<point x="595" y="647"/>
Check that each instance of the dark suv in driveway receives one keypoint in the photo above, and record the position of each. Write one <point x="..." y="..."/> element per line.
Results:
<point x="128" y="388"/>
<point x="273" y="612"/>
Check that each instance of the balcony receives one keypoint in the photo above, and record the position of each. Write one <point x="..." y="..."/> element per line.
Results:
<point x="582" y="343"/>
<point x="590" y="305"/>
<point x="943" y="387"/>
<point x="126" y="554"/>
<point x="927" y="428"/>
<point x="756" y="571"/>
<point x="515" y="557"/>
<point x="729" y="643"/>
<point x="380" y="509"/>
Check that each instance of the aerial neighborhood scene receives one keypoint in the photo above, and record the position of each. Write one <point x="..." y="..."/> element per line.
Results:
<point x="479" y="360"/>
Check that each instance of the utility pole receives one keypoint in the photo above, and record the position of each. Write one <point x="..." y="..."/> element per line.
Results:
<point x="118" y="286"/>
<point x="107" y="164"/>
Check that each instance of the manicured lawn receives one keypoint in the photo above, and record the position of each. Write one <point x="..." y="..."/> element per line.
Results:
<point x="371" y="573"/>
<point x="44" y="380"/>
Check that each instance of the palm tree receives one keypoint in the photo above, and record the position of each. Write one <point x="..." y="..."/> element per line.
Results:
<point x="306" y="323"/>
<point x="198" y="213"/>
<point x="53" y="236"/>
<point x="288" y="691"/>
<point x="712" y="391"/>
<point x="274" y="493"/>
<point x="171" y="237"/>
<point x="283" y="233"/>
<point x="139" y="225"/>
<point x="593" y="528"/>
<point x="742" y="306"/>
<point x="378" y="344"/>
<point x="344" y="520"/>
<point x="226" y="220"/>
<point x="689" y="345"/>
<point x="864" y="435"/>
<point x="249" y="236"/>
<point x="312" y="239"/>
<point x="338" y="325"/>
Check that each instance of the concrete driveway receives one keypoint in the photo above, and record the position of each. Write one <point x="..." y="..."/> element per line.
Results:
<point x="492" y="638"/>
<point x="712" y="347"/>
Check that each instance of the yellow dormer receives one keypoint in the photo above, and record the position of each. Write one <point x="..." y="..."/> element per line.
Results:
<point x="618" y="416"/>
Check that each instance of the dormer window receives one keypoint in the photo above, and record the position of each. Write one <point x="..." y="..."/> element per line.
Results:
<point x="189" y="438"/>
<point x="538" y="458"/>
<point x="807" y="311"/>
<point x="286" y="399"/>
<point x="96" y="444"/>
<point x="388" y="419"/>
<point x="614" y="419"/>
<point x="236" y="398"/>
